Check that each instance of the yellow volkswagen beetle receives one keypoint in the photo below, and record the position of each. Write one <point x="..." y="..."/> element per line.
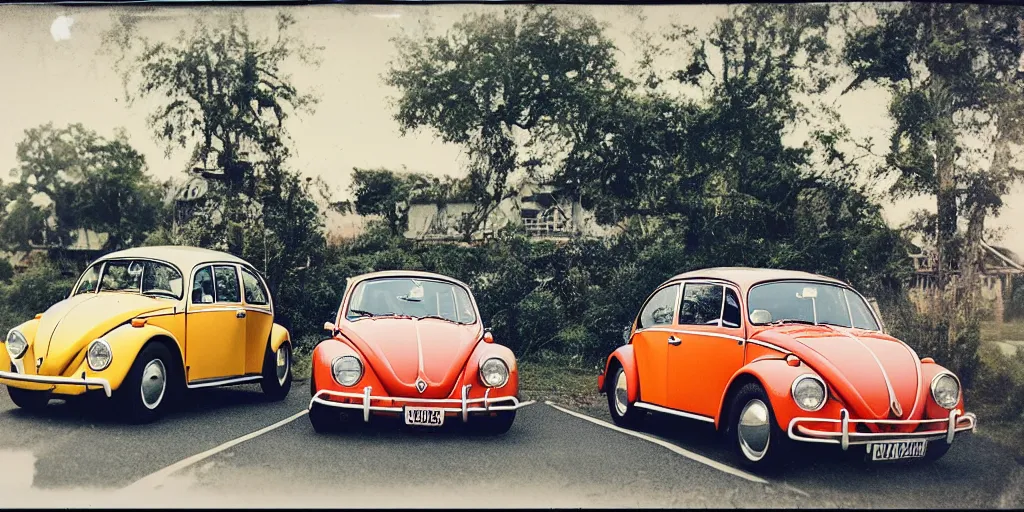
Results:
<point x="143" y="325"/>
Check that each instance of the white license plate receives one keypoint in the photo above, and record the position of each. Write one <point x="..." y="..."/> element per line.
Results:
<point x="896" y="450"/>
<point x="424" y="416"/>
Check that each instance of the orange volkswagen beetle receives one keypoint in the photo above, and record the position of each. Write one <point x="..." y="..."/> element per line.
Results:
<point x="772" y="357"/>
<point x="411" y="344"/>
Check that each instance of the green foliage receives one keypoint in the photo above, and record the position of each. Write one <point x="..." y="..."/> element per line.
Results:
<point x="1015" y="302"/>
<point x="1000" y="383"/>
<point x="88" y="182"/>
<point x="32" y="292"/>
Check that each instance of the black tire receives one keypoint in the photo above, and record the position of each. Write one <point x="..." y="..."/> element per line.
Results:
<point x="153" y="362"/>
<point x="936" y="450"/>
<point x="766" y="457"/>
<point x="623" y="413"/>
<point x="275" y="386"/>
<point x="325" y="419"/>
<point x="28" y="399"/>
<point x="495" y="425"/>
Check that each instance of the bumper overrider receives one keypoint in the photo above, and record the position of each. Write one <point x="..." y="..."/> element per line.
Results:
<point x="464" y="405"/>
<point x="84" y="381"/>
<point x="957" y="422"/>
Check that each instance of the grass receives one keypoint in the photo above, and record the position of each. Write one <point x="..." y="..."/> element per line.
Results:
<point x="995" y="331"/>
<point x="559" y="382"/>
<point x="302" y="363"/>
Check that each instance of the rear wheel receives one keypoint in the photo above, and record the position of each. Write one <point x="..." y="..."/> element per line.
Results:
<point x="277" y="372"/>
<point x="30" y="400"/>
<point x="624" y="414"/>
<point x="146" y="391"/>
<point x="753" y="433"/>
<point x="495" y="425"/>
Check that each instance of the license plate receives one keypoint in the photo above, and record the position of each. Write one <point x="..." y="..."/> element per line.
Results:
<point x="424" y="416"/>
<point x="896" y="450"/>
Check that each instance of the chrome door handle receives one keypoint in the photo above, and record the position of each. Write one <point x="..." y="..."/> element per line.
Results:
<point x="672" y="340"/>
<point x="240" y="313"/>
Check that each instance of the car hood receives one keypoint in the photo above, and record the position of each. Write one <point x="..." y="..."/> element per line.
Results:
<point x="71" y="324"/>
<point x="403" y="350"/>
<point x="860" y="366"/>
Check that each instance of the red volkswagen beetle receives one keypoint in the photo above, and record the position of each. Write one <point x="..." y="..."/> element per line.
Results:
<point x="773" y="357"/>
<point x="411" y="345"/>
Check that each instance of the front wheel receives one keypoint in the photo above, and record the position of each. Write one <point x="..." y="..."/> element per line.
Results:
<point x="145" y="392"/>
<point x="30" y="400"/>
<point x="936" y="450"/>
<point x="277" y="372"/>
<point x="753" y="433"/>
<point x="623" y="412"/>
<point x="495" y="425"/>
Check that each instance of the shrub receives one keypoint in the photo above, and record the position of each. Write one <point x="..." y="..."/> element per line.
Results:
<point x="999" y="382"/>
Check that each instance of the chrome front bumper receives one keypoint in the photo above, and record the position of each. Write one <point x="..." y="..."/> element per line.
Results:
<point x="466" y="405"/>
<point x="60" y="381"/>
<point x="956" y="422"/>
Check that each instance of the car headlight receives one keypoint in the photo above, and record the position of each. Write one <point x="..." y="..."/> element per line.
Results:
<point x="99" y="355"/>
<point x="347" y="370"/>
<point x="16" y="344"/>
<point x="946" y="390"/>
<point x="494" y="372"/>
<point x="809" y="392"/>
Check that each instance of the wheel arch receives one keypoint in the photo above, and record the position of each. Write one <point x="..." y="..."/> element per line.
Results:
<point x="776" y="377"/>
<point x="623" y="357"/>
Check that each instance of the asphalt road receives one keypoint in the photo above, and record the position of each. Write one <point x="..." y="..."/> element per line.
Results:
<point x="206" y="455"/>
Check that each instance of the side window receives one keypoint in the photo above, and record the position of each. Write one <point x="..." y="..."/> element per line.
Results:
<point x="90" y="280"/>
<point x="226" y="284"/>
<point x="202" y="287"/>
<point x="731" y="313"/>
<point x="701" y="304"/>
<point x="660" y="310"/>
<point x="255" y="293"/>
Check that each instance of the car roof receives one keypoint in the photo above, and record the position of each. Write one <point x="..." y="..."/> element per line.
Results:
<point x="746" y="277"/>
<point x="408" y="273"/>
<point x="185" y="257"/>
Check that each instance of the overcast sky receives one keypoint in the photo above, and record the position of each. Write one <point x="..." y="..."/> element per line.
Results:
<point x="52" y="75"/>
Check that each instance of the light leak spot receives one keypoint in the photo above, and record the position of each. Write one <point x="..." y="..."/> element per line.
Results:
<point x="60" y="29"/>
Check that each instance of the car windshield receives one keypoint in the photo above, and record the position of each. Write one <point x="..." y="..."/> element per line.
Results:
<point x="419" y="298"/>
<point x="809" y="302"/>
<point x="143" y="277"/>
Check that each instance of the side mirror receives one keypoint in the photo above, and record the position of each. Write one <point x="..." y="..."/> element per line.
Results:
<point x="329" y="326"/>
<point x="488" y="337"/>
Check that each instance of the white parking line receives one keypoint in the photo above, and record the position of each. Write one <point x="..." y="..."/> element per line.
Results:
<point x="685" y="453"/>
<point x="153" y="480"/>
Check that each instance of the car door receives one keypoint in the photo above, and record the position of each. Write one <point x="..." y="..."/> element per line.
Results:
<point x="259" y="319"/>
<point x="216" y="325"/>
<point x="709" y="349"/>
<point x="650" y="342"/>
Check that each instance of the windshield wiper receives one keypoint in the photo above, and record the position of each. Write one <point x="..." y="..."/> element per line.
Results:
<point x="160" y="293"/>
<point x="361" y="312"/>
<point x="439" y="317"/>
<point x="792" y="321"/>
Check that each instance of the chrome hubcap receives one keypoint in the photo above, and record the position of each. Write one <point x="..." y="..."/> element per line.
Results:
<point x="154" y="383"/>
<point x="282" y="365"/>
<point x="621" y="398"/>
<point x="754" y="430"/>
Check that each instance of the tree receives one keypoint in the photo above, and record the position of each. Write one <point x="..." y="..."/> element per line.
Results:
<point x="83" y="181"/>
<point x="957" y="106"/>
<point x="494" y="80"/>
<point x="225" y="95"/>
<point x="386" y="193"/>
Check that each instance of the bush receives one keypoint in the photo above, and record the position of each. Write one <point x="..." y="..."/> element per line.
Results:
<point x="999" y="383"/>
<point x="31" y="292"/>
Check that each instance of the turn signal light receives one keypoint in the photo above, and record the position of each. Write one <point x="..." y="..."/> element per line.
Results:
<point x="927" y="360"/>
<point x="793" y="361"/>
<point x="38" y="316"/>
<point x="138" y="322"/>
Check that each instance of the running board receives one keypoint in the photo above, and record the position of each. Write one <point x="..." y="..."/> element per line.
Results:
<point x="230" y="381"/>
<point x="658" y="408"/>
